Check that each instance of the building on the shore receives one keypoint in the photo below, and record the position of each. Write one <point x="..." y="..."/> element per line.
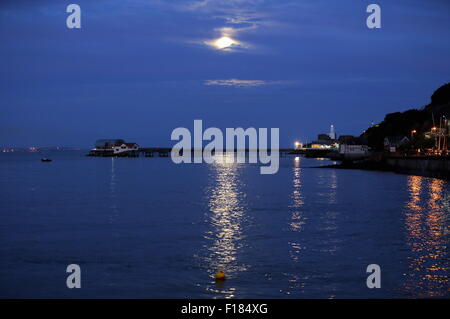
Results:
<point x="324" y="141"/>
<point x="353" y="150"/>
<point x="104" y="144"/>
<point x="354" y="147"/>
<point x="114" y="147"/>
<point x="125" y="147"/>
<point x="392" y="143"/>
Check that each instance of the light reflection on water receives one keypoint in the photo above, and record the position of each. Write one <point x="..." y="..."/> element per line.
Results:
<point x="427" y="220"/>
<point x="114" y="211"/>
<point x="296" y="224"/>
<point x="328" y="215"/>
<point x="226" y="217"/>
<point x="297" y="219"/>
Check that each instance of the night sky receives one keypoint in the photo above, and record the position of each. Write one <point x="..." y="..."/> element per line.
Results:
<point x="137" y="69"/>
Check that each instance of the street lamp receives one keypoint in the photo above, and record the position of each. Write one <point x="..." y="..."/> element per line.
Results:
<point x="412" y="136"/>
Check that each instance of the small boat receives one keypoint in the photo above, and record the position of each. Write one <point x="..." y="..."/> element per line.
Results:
<point x="45" y="159"/>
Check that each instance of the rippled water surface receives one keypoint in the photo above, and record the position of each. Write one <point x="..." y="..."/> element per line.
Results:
<point x="145" y="227"/>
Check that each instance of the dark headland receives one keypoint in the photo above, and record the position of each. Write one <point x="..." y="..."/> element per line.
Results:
<point x="411" y="142"/>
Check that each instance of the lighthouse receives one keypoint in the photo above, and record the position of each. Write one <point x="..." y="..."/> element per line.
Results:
<point x="332" y="133"/>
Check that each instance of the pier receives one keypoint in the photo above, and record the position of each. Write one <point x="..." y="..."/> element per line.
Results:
<point x="155" y="151"/>
<point x="165" y="152"/>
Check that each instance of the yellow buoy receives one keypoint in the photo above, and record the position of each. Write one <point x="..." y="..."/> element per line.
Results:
<point x="220" y="275"/>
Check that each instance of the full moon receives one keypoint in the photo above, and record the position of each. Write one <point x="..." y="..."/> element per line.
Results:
<point x="224" y="42"/>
